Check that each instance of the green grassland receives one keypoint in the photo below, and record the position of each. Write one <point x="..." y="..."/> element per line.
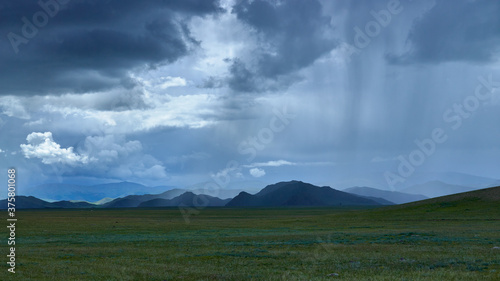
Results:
<point x="438" y="240"/>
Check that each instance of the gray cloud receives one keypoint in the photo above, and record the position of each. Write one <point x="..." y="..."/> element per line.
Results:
<point x="241" y="78"/>
<point x="91" y="45"/>
<point x="289" y="44"/>
<point x="454" y="31"/>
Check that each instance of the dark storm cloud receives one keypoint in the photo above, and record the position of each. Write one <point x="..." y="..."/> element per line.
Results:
<point x="90" y="45"/>
<point x="293" y="35"/>
<point x="241" y="79"/>
<point x="455" y="31"/>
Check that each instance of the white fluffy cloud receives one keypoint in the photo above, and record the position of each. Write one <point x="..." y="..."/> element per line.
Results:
<point x="256" y="172"/>
<point x="43" y="146"/>
<point x="104" y="156"/>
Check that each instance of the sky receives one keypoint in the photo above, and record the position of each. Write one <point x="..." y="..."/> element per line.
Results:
<point x="338" y="93"/>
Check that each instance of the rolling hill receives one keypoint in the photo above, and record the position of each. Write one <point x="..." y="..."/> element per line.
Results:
<point x="169" y="198"/>
<point x="475" y="205"/>
<point x="392" y="196"/>
<point x="69" y="204"/>
<point x="30" y="202"/>
<point x="491" y="194"/>
<point x="132" y="201"/>
<point x="297" y="193"/>
<point x="186" y="199"/>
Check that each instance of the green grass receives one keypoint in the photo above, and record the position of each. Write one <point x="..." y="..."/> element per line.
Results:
<point x="434" y="241"/>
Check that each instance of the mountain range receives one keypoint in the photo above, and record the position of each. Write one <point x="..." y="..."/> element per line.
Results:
<point x="132" y="201"/>
<point x="186" y="199"/>
<point x="297" y="193"/>
<point x="92" y="193"/>
<point x="437" y="189"/>
<point x="30" y="202"/>
<point x="292" y="193"/>
<point x="109" y="191"/>
<point x="392" y="196"/>
<point x="374" y="180"/>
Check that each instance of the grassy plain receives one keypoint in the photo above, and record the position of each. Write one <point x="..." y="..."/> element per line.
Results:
<point x="434" y="241"/>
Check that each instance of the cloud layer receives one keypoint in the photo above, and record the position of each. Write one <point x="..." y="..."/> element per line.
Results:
<point x="176" y="92"/>
<point x="91" y="45"/>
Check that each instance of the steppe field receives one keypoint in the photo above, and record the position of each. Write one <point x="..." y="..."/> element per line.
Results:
<point x="437" y="240"/>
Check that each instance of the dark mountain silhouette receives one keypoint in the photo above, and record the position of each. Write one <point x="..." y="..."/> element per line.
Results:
<point x="186" y="199"/>
<point x="297" y="193"/>
<point x="392" y="196"/>
<point x="69" y="204"/>
<point x="123" y="203"/>
<point x="293" y="193"/>
<point x="158" y="200"/>
<point x="242" y="199"/>
<point x="26" y="202"/>
<point x="132" y="201"/>
<point x="30" y="202"/>
<point x="379" y="200"/>
<point x="191" y="199"/>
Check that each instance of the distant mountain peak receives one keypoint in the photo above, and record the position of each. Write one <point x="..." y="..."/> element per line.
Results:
<point x="298" y="193"/>
<point x="392" y="196"/>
